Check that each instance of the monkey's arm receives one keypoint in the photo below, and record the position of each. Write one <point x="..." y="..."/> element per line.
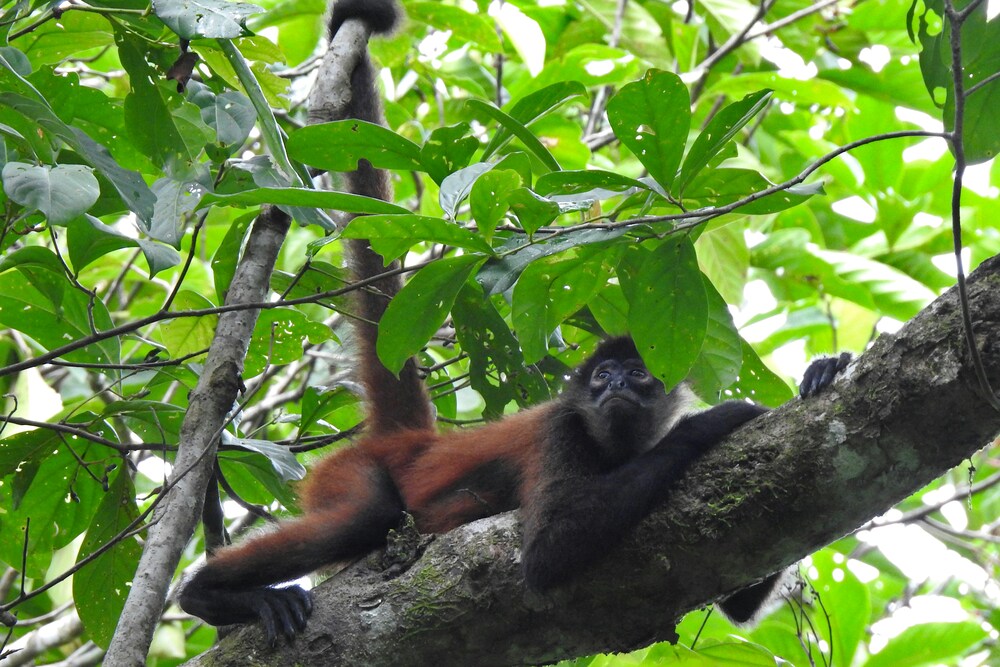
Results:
<point x="572" y="520"/>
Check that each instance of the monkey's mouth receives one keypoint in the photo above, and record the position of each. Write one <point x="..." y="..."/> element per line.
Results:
<point x="619" y="400"/>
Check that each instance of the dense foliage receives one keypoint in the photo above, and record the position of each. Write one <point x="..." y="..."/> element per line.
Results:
<point x="789" y="192"/>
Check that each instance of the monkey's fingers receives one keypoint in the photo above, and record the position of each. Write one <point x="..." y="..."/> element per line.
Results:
<point x="283" y="611"/>
<point x="821" y="373"/>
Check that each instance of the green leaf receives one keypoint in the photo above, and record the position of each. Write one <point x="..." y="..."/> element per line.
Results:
<point x="456" y="187"/>
<point x="89" y="239"/>
<point x="499" y="274"/>
<point x="253" y="477"/>
<point x="338" y="146"/>
<point x="757" y="382"/>
<point x="447" y="150"/>
<point x="62" y="192"/>
<point x="282" y="459"/>
<point x="318" y="402"/>
<point x="466" y="27"/>
<point x="230" y="114"/>
<point x="575" y="182"/>
<point x="719" y="131"/>
<point x="734" y="654"/>
<point x="340" y="201"/>
<point x="841" y="591"/>
<point x="532" y="211"/>
<point x="652" y="117"/>
<point x="893" y="292"/>
<point x="219" y="19"/>
<point x="725" y="259"/>
<point x="420" y="308"/>
<point x="279" y="337"/>
<point x="187" y="335"/>
<point x="811" y="91"/>
<point x="24" y="447"/>
<point x="42" y="268"/>
<point x="226" y="257"/>
<point x="668" y="308"/>
<point x="512" y="125"/>
<point x="719" y="187"/>
<point x="153" y="421"/>
<point x="490" y="197"/>
<point x="55" y="320"/>
<point x="929" y="644"/>
<point x="591" y="65"/>
<point x="175" y="200"/>
<point x="498" y="370"/>
<point x="534" y="106"/>
<point x="550" y="290"/>
<point x="721" y="358"/>
<point x="392" y="235"/>
<point x="101" y="587"/>
<point x="154" y="102"/>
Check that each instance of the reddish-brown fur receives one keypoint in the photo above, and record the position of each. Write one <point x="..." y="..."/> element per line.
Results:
<point x="434" y="474"/>
<point x="423" y="464"/>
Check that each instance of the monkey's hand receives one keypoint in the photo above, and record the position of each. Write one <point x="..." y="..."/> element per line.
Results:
<point x="281" y="611"/>
<point x="821" y="373"/>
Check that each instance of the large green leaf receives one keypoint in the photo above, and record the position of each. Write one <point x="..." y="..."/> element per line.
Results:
<point x="515" y="127"/>
<point x="100" y="588"/>
<point x="392" y="235"/>
<point x="719" y="131"/>
<point x="721" y="356"/>
<point x="550" y="290"/>
<point x="62" y="192"/>
<point x="420" y="308"/>
<point x="490" y="198"/>
<point x="534" y="106"/>
<point x="929" y="644"/>
<point x="337" y="146"/>
<point x="498" y="370"/>
<point x="159" y="121"/>
<point x="191" y="19"/>
<point x="340" y="201"/>
<point x="48" y="308"/>
<point x="652" y="117"/>
<point x="668" y="308"/>
<point x="719" y="187"/>
<point x="188" y="335"/>
<point x="279" y="338"/>
<point x="498" y="275"/>
<point x="475" y="28"/>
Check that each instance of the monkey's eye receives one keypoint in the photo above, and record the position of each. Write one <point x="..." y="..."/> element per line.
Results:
<point x="637" y="373"/>
<point x="603" y="375"/>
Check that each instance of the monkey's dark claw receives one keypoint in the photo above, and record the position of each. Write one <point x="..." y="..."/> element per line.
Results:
<point x="821" y="373"/>
<point x="284" y="612"/>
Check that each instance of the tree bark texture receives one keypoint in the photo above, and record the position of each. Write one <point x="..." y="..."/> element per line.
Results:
<point x="175" y="520"/>
<point x="785" y="485"/>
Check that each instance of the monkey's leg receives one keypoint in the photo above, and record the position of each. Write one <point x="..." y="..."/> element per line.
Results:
<point x="235" y="586"/>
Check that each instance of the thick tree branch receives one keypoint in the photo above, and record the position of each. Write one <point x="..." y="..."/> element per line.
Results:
<point x="787" y="484"/>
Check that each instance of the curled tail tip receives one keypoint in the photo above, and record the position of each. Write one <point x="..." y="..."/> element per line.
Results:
<point x="381" y="16"/>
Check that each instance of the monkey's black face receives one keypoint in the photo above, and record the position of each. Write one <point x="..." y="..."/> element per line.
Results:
<point x="622" y="388"/>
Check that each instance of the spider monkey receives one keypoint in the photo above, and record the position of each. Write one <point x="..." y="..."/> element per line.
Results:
<point x="584" y="468"/>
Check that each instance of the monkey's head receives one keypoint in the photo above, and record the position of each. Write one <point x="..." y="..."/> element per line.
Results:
<point x="624" y="406"/>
